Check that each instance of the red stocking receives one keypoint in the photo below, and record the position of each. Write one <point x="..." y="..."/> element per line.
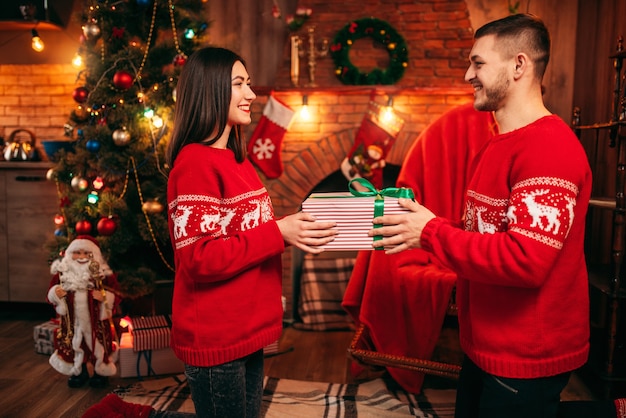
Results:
<point x="264" y="147"/>
<point x="372" y="142"/>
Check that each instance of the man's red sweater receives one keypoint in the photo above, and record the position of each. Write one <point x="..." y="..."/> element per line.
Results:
<point x="227" y="289"/>
<point x="522" y="287"/>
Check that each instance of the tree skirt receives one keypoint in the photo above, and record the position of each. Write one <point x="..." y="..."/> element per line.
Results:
<point x="284" y="398"/>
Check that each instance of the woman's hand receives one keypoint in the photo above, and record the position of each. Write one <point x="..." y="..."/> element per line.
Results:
<point x="302" y="231"/>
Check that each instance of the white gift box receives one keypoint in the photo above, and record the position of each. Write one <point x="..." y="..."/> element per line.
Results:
<point x="353" y="215"/>
<point x="43" y="334"/>
<point x="146" y="363"/>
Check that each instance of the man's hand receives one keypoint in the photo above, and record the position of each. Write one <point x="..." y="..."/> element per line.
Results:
<point x="402" y="232"/>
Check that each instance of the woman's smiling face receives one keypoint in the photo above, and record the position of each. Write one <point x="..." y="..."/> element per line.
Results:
<point x="242" y="96"/>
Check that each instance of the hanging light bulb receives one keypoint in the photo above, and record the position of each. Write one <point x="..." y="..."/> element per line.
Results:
<point x="304" y="111"/>
<point x="37" y="43"/>
<point x="387" y="115"/>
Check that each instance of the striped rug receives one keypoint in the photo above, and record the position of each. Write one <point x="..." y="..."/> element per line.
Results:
<point x="284" y="398"/>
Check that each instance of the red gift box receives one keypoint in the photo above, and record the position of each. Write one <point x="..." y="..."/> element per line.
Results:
<point x="151" y="332"/>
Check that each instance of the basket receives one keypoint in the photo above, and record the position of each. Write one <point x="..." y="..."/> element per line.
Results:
<point x="53" y="147"/>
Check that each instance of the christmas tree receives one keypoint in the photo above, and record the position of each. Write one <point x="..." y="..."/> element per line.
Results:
<point x="112" y="182"/>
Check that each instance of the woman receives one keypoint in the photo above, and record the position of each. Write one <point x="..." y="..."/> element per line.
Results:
<point x="228" y="245"/>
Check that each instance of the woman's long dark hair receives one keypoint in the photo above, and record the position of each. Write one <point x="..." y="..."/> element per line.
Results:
<point x="203" y="95"/>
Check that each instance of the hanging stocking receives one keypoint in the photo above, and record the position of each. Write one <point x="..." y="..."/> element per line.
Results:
<point x="266" y="142"/>
<point x="377" y="133"/>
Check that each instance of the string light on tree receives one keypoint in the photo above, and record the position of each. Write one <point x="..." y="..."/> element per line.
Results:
<point x="93" y="197"/>
<point x="98" y="183"/>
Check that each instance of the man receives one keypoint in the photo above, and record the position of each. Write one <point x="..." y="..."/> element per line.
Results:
<point x="518" y="251"/>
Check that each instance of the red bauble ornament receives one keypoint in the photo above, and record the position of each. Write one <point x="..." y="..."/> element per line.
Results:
<point x="83" y="228"/>
<point x="80" y="94"/>
<point x="107" y="226"/>
<point x="180" y="60"/>
<point x="123" y="80"/>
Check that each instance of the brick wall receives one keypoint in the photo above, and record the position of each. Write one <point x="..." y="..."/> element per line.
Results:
<point x="37" y="98"/>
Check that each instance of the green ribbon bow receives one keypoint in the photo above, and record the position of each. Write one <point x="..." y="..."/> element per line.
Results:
<point x="379" y="202"/>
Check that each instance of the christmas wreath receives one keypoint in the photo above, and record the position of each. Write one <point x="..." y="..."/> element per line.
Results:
<point x="381" y="32"/>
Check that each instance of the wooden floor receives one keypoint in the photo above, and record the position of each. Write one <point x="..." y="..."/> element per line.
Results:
<point x="31" y="388"/>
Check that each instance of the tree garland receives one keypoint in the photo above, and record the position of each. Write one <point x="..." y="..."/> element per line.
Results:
<point x="381" y="32"/>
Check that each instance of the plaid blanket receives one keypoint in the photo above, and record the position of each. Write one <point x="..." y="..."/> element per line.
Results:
<point x="322" y="286"/>
<point x="284" y="398"/>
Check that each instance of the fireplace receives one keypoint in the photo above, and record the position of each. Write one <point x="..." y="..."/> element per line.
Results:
<point x="438" y="36"/>
<point x="312" y="152"/>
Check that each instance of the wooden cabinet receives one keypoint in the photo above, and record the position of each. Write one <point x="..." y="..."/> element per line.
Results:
<point x="606" y="250"/>
<point x="28" y="203"/>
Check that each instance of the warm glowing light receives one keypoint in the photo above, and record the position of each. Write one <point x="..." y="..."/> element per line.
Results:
<point x="59" y="220"/>
<point x="148" y="113"/>
<point x="37" y="43"/>
<point x="157" y="121"/>
<point x="77" y="61"/>
<point x="98" y="183"/>
<point x="387" y="116"/>
<point x="126" y="322"/>
<point x="305" y="115"/>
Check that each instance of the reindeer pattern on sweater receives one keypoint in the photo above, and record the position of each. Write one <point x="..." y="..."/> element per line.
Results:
<point x="200" y="215"/>
<point x="541" y="208"/>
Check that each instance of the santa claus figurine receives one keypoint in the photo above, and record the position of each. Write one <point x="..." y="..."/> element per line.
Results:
<point x="84" y="292"/>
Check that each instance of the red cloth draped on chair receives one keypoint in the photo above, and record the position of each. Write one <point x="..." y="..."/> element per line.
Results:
<point x="402" y="299"/>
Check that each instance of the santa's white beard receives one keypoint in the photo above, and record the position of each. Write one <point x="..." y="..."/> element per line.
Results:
<point x="74" y="276"/>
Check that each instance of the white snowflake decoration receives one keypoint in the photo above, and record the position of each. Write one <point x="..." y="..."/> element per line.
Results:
<point x="263" y="148"/>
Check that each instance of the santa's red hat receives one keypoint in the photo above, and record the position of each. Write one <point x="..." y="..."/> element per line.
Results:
<point x="87" y="243"/>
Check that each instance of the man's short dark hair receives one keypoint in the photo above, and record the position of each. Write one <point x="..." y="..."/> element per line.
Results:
<point x="521" y="33"/>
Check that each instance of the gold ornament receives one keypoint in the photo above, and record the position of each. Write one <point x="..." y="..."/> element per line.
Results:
<point x="152" y="206"/>
<point x="51" y="174"/>
<point x="79" y="184"/>
<point x="121" y="137"/>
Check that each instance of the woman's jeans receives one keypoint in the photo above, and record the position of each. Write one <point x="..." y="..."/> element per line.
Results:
<point x="233" y="389"/>
<point x="482" y="395"/>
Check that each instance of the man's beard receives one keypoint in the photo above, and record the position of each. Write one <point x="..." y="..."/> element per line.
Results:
<point x="493" y="96"/>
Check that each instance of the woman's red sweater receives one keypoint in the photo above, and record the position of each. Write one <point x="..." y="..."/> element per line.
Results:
<point x="227" y="288"/>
